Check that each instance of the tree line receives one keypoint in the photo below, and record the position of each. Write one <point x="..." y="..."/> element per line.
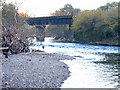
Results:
<point x="100" y="24"/>
<point x="15" y="21"/>
<point x="15" y="30"/>
<point x="97" y="25"/>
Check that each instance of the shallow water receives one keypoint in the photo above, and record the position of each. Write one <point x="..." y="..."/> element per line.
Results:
<point x="85" y="73"/>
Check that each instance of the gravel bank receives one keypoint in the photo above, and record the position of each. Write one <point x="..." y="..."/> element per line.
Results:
<point x="34" y="70"/>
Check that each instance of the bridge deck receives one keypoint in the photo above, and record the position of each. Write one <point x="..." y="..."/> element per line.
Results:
<point x="52" y="20"/>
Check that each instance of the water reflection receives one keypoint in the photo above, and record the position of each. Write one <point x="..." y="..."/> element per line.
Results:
<point x="93" y="66"/>
<point x="91" y="75"/>
<point x="112" y="60"/>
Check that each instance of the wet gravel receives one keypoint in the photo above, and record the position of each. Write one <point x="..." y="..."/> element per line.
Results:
<point x="34" y="70"/>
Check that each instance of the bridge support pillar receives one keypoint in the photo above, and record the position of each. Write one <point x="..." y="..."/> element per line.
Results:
<point x="40" y="33"/>
<point x="68" y="26"/>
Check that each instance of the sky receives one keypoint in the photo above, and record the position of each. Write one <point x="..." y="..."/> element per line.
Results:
<point x="41" y="8"/>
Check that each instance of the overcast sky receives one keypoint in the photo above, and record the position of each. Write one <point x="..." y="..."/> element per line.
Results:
<point x="41" y="8"/>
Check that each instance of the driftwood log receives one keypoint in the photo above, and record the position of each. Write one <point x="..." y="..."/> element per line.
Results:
<point x="12" y="42"/>
<point x="2" y="48"/>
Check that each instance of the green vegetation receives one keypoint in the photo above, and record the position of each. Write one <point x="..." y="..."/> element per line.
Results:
<point x="16" y="21"/>
<point x="97" y="25"/>
<point x="62" y="32"/>
<point x="91" y="26"/>
<point x="66" y="10"/>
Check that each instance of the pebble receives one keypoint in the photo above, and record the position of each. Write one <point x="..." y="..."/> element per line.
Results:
<point x="40" y="73"/>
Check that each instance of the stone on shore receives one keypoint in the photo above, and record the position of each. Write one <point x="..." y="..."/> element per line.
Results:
<point x="34" y="70"/>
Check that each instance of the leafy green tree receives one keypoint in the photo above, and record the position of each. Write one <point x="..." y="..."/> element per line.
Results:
<point x="76" y="12"/>
<point x="108" y="6"/>
<point x="111" y="18"/>
<point x="66" y="10"/>
<point x="61" y="31"/>
<point x="88" y="20"/>
<point x="93" y="25"/>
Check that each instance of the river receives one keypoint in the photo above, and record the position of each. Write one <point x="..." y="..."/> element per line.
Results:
<point x="92" y="66"/>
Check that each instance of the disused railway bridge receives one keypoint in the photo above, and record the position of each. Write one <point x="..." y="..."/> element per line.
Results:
<point x="51" y="20"/>
<point x="41" y="22"/>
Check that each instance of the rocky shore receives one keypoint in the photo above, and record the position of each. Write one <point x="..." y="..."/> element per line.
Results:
<point x="34" y="70"/>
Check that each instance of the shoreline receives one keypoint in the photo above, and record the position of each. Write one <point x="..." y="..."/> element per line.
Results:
<point x="99" y="43"/>
<point x="34" y="70"/>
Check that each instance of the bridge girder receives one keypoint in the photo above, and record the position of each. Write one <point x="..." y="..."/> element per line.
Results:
<point x="52" y="20"/>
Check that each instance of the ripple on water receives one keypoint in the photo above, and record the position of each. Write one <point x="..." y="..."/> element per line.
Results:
<point x="84" y="72"/>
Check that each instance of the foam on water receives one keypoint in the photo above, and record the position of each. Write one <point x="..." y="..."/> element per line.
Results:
<point x="84" y="72"/>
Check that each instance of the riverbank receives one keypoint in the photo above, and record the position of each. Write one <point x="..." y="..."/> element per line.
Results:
<point x="34" y="70"/>
<point x="99" y="43"/>
<point x="106" y="43"/>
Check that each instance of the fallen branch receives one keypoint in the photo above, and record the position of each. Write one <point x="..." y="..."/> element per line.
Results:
<point x="2" y="48"/>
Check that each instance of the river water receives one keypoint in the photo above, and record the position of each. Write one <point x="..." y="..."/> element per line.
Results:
<point x="85" y="72"/>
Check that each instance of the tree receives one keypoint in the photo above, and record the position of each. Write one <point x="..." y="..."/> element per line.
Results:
<point x="66" y="10"/>
<point x="9" y="14"/>
<point x="90" y="23"/>
<point x="108" y="6"/>
<point x="88" y="20"/>
<point x="76" y="12"/>
<point x="23" y="14"/>
<point x="62" y="31"/>
<point x="111" y="18"/>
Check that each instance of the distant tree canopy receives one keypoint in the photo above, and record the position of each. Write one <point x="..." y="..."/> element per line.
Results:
<point x="16" y="21"/>
<point x="23" y="14"/>
<point x="93" y="25"/>
<point x="9" y="14"/>
<point x="97" y="25"/>
<point x="108" y="6"/>
<point x="88" y="20"/>
<point x="62" y="31"/>
<point x="66" y="10"/>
